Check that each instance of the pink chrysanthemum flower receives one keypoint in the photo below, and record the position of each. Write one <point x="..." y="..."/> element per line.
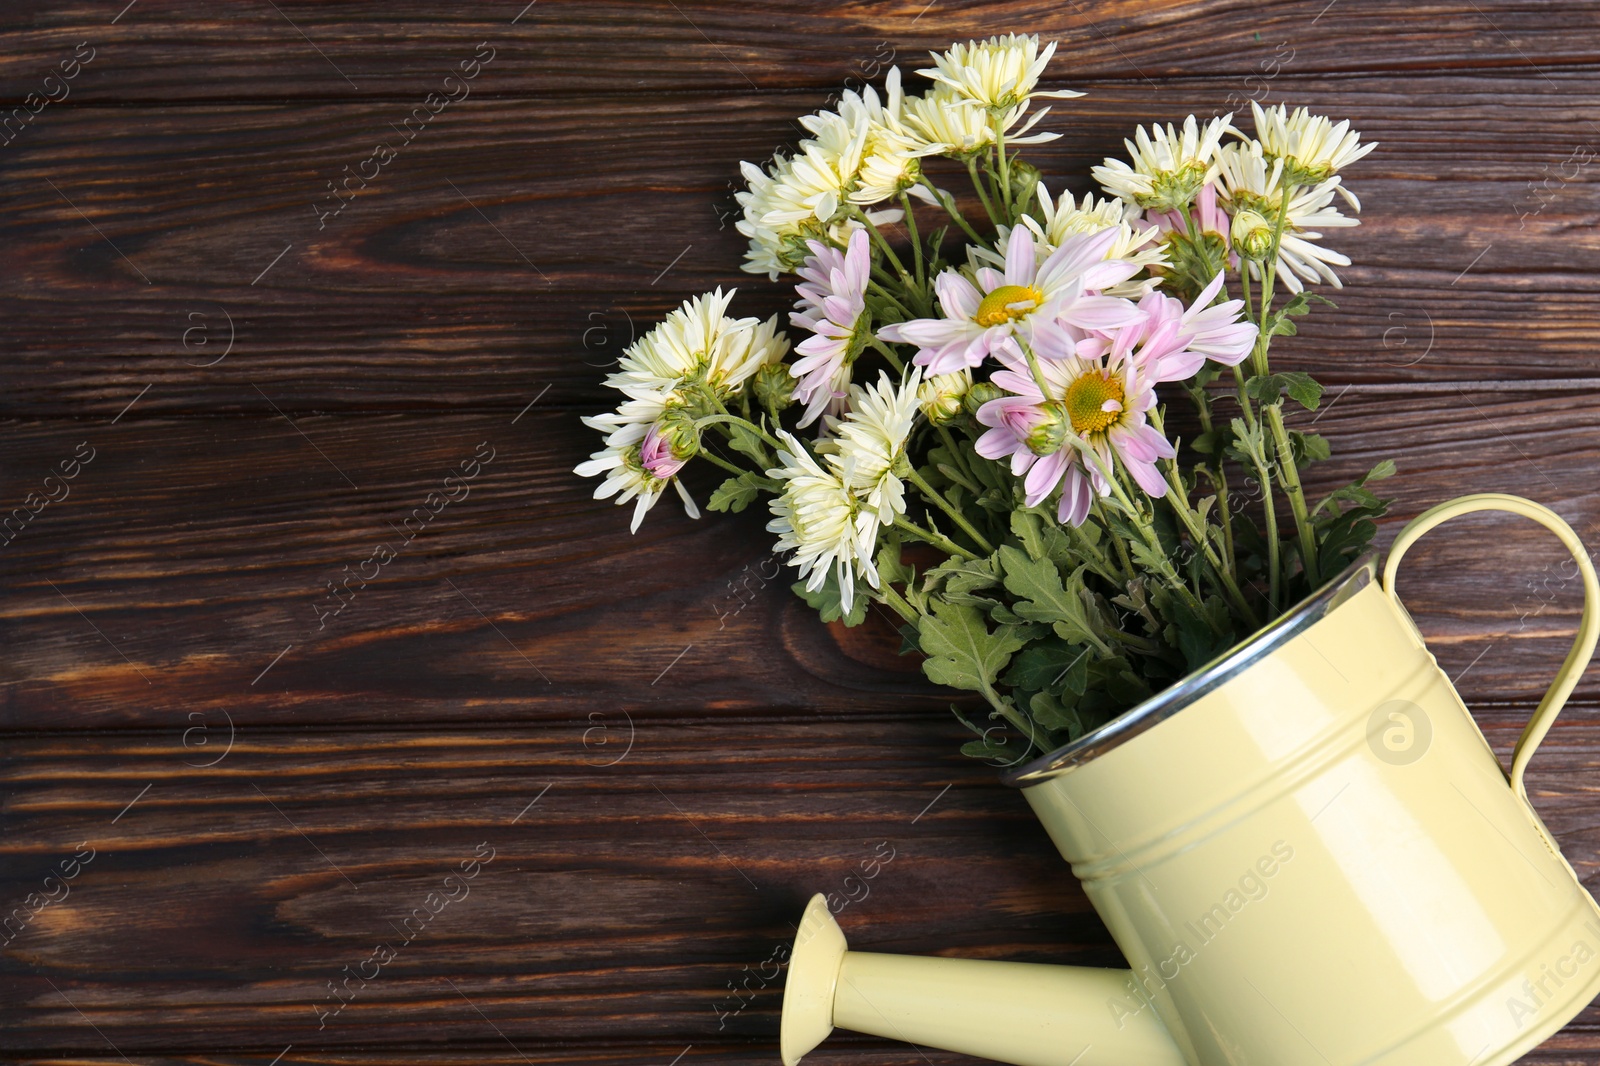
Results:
<point x="832" y="306"/>
<point x="1031" y="303"/>
<point x="1092" y="416"/>
<point x="1173" y="342"/>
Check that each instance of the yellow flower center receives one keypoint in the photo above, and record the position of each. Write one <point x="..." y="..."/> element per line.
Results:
<point x="1086" y="400"/>
<point x="995" y="309"/>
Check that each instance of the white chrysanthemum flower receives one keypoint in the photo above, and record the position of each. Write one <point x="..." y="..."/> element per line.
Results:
<point x="869" y="446"/>
<point x="802" y="198"/>
<point x="1253" y="191"/>
<point x="625" y="475"/>
<point x="1313" y="148"/>
<point x="796" y="199"/>
<point x="634" y="413"/>
<point x="941" y="395"/>
<point x="823" y="522"/>
<point x="890" y="153"/>
<point x="946" y="123"/>
<point x="999" y="74"/>
<point x="949" y="124"/>
<point x="695" y="342"/>
<point x="1169" y="166"/>
<point x="767" y="344"/>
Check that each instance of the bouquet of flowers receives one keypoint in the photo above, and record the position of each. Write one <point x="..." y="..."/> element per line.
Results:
<point x="972" y="428"/>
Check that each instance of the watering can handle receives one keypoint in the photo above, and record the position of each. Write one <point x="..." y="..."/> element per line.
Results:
<point x="1588" y="626"/>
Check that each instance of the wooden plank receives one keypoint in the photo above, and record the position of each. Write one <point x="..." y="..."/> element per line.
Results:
<point x="521" y="243"/>
<point x="297" y="49"/>
<point x="192" y="553"/>
<point x="841" y="1049"/>
<point x="615" y="899"/>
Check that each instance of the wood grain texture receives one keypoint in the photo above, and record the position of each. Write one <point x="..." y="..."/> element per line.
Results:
<point x="193" y="551"/>
<point x="218" y="905"/>
<point x="712" y="753"/>
<point x="309" y="50"/>
<point x="519" y="244"/>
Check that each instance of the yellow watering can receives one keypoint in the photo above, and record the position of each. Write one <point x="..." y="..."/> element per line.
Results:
<point x="1318" y="861"/>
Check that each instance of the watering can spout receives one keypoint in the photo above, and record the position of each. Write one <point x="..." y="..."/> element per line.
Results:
<point x="1023" y="1013"/>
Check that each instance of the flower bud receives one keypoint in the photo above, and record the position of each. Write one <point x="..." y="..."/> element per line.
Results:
<point x="1252" y="235"/>
<point x="774" y="386"/>
<point x="1050" y="432"/>
<point x="1024" y="179"/>
<point x="670" y="443"/>
<point x="980" y="393"/>
<point x="941" y="396"/>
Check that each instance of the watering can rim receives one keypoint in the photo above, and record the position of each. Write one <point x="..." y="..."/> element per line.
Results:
<point x="1169" y="701"/>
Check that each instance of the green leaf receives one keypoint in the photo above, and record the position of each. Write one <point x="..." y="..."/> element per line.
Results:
<point x="990" y="749"/>
<point x="1298" y="305"/>
<point x="1196" y="633"/>
<point x="892" y="569"/>
<point x="1248" y="445"/>
<point x="1308" y="447"/>
<point x="1357" y="493"/>
<point x="736" y="493"/>
<point x="1303" y="389"/>
<point x="1044" y="539"/>
<point x="829" y="604"/>
<point x="1050" y="665"/>
<point x="962" y="651"/>
<point x="1050" y="712"/>
<point x="746" y="441"/>
<point x="956" y="579"/>
<point x="1041" y="596"/>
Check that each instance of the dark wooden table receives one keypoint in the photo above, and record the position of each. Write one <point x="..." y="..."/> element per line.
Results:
<point x="653" y="751"/>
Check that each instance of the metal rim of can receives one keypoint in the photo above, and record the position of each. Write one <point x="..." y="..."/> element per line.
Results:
<point x="1169" y="701"/>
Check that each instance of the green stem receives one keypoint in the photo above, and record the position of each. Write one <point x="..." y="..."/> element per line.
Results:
<point x="1097" y="557"/>
<point x="766" y="482"/>
<point x="1290" y="475"/>
<point x="956" y="455"/>
<point x="1167" y="571"/>
<point x="938" y="540"/>
<point x="1137" y="643"/>
<point x="1005" y="169"/>
<point x="1197" y="533"/>
<point x="916" y="240"/>
<point x="882" y="242"/>
<point x="898" y="603"/>
<point x="1244" y="398"/>
<point x="1271" y="512"/>
<point x="888" y="353"/>
<point x="1023" y="725"/>
<point x="731" y="419"/>
<point x="1218" y="474"/>
<point x="949" y="204"/>
<point x="1037" y="371"/>
<point x="1116" y="541"/>
<point x="938" y="500"/>
<point x="972" y="172"/>
<point x="883" y="290"/>
<point x="1189" y="224"/>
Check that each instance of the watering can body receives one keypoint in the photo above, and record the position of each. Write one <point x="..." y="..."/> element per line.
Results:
<point x="1307" y="852"/>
